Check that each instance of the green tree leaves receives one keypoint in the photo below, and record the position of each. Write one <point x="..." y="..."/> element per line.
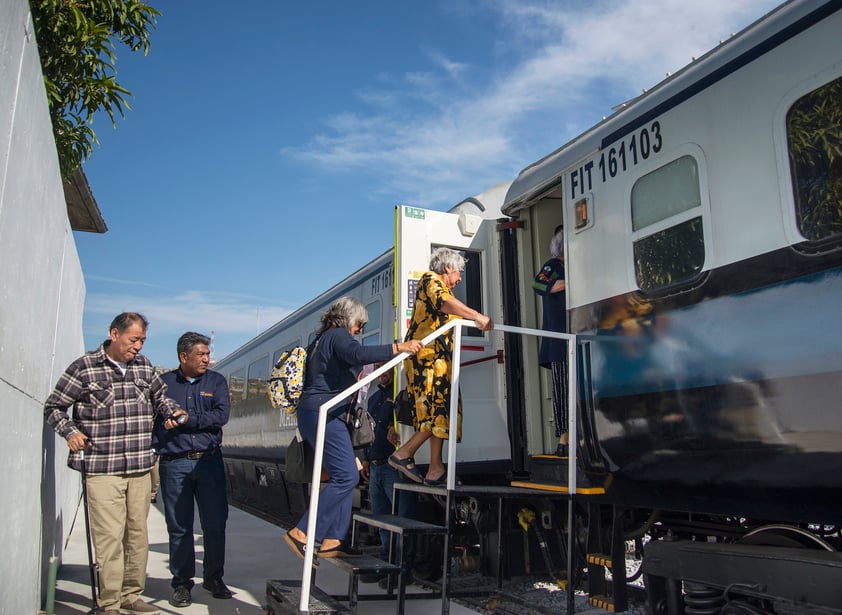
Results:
<point x="77" y="43"/>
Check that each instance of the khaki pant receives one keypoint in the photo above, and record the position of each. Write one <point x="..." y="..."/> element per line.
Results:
<point x="119" y="507"/>
<point x="156" y="478"/>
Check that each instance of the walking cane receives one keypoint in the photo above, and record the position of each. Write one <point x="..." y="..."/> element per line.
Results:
<point x="94" y="567"/>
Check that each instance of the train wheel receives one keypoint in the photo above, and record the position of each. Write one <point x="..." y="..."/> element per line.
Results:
<point x="634" y="558"/>
<point x="780" y="535"/>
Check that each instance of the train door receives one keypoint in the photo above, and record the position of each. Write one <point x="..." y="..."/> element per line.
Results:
<point x="419" y="231"/>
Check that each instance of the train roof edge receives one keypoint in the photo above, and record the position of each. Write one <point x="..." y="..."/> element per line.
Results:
<point x="762" y="35"/>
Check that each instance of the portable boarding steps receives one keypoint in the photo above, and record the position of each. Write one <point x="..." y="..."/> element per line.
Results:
<point x="283" y="595"/>
<point x="503" y="497"/>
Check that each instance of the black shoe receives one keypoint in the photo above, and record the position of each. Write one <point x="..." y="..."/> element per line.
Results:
<point x="181" y="597"/>
<point x="561" y="450"/>
<point x="217" y="588"/>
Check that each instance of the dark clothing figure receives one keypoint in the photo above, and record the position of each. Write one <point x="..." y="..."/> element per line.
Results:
<point x="331" y="368"/>
<point x="553" y="352"/>
<point x="382" y="477"/>
<point x="191" y="467"/>
<point x="192" y="470"/>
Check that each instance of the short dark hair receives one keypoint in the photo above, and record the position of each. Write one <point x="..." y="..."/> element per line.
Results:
<point x="125" y="320"/>
<point x="188" y="340"/>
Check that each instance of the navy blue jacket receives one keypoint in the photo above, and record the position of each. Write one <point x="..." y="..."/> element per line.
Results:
<point x="555" y="312"/>
<point x="381" y="406"/>
<point x="333" y="365"/>
<point x="208" y="407"/>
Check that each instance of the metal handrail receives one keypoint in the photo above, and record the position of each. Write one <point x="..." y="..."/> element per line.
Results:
<point x="457" y="324"/>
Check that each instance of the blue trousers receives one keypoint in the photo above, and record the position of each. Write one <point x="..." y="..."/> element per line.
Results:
<point x="336" y="498"/>
<point x="381" y="481"/>
<point x="183" y="481"/>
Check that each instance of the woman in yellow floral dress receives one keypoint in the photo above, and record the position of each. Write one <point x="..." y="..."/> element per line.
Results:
<point x="428" y="372"/>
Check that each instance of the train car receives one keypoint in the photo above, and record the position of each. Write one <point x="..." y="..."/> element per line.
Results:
<point x="703" y="255"/>
<point x="257" y="435"/>
<point x="703" y="249"/>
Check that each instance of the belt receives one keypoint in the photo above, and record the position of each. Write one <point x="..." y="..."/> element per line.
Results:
<point x="378" y="462"/>
<point x="190" y="455"/>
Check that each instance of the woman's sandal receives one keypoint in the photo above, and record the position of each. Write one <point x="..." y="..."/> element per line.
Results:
<point x="299" y="548"/>
<point x="436" y="482"/>
<point x="402" y="466"/>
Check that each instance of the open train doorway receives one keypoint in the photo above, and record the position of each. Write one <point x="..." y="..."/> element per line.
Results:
<point x="541" y="218"/>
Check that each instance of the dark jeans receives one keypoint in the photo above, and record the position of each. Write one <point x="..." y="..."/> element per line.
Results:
<point x="182" y="481"/>
<point x="381" y="480"/>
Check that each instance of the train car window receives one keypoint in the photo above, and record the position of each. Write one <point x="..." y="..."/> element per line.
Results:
<point x="669" y="201"/>
<point x="814" y="141"/>
<point x="236" y="387"/>
<point x="258" y="378"/>
<point x="665" y="192"/>
<point x="469" y="291"/>
<point x="371" y="335"/>
<point x="670" y="257"/>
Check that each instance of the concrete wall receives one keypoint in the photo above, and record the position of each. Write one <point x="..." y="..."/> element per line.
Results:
<point x="41" y="301"/>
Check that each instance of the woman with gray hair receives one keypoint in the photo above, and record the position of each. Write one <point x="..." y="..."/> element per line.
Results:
<point x="428" y="373"/>
<point x="333" y="361"/>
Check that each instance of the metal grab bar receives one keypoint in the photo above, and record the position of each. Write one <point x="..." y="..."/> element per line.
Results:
<point x="457" y="324"/>
<point x="498" y="356"/>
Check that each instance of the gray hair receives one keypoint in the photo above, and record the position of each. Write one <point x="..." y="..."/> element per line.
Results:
<point x="190" y="339"/>
<point x="557" y="244"/>
<point x="344" y="312"/>
<point x="441" y="258"/>
<point x="125" y="320"/>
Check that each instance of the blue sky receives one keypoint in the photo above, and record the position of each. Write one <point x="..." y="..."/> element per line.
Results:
<point x="269" y="141"/>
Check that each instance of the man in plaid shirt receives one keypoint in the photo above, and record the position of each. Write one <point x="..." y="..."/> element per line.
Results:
<point x="115" y="393"/>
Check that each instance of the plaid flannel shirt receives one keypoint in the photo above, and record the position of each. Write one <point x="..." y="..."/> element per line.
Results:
<point x="114" y="410"/>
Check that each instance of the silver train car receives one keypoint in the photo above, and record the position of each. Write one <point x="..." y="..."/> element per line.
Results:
<point x="703" y="256"/>
<point x="703" y="230"/>
<point x="703" y="248"/>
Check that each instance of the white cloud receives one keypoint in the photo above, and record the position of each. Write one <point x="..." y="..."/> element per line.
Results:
<point x="560" y="68"/>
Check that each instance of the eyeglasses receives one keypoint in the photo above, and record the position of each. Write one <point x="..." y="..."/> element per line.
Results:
<point x="361" y="325"/>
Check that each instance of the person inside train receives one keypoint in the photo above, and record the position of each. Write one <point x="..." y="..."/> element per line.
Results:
<point x="549" y="283"/>
<point x="333" y="362"/>
<point x="428" y="372"/>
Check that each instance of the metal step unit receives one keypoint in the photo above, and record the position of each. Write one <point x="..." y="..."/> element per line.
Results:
<point x="283" y="596"/>
<point x="366" y="564"/>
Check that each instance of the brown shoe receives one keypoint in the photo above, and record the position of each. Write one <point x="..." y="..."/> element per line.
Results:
<point x="138" y="606"/>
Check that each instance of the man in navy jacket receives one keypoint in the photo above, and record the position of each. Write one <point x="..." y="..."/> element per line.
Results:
<point x="191" y="467"/>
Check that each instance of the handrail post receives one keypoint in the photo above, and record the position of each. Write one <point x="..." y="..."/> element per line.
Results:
<point x="572" y="418"/>
<point x="454" y="406"/>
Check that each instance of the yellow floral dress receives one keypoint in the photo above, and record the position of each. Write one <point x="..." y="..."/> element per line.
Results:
<point x="428" y="372"/>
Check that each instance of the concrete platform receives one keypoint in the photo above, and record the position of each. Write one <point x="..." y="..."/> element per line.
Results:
<point x="255" y="553"/>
